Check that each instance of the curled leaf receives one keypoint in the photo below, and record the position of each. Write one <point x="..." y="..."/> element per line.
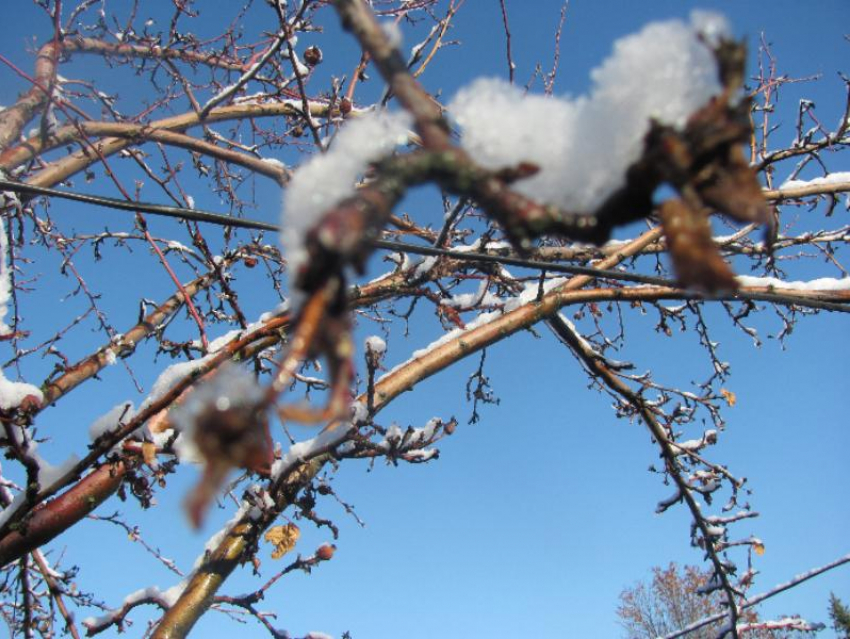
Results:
<point x="697" y="261"/>
<point x="149" y="454"/>
<point x="283" y="538"/>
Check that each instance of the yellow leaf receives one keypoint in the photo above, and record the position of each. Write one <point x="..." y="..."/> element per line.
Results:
<point x="283" y="538"/>
<point x="759" y="548"/>
<point x="729" y="396"/>
<point x="149" y="453"/>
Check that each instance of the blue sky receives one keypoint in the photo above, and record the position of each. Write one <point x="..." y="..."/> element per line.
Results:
<point x="533" y="520"/>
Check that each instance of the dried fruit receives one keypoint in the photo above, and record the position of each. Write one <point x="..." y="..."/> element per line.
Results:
<point x="345" y="106"/>
<point x="325" y="551"/>
<point x="312" y="56"/>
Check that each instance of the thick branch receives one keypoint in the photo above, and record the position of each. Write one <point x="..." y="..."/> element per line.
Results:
<point x="56" y="516"/>
<point x="67" y="166"/>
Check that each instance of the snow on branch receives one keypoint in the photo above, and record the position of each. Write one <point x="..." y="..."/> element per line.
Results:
<point x="584" y="145"/>
<point x="328" y="179"/>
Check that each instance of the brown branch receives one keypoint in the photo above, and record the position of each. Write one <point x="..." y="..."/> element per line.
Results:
<point x="87" y="368"/>
<point x="212" y="573"/>
<point x="14" y="118"/>
<point x="78" y="44"/>
<point x="229" y="553"/>
<point x="598" y="369"/>
<point x="56" y="592"/>
<point x="64" y="168"/>
<point x="245" y="346"/>
<point x="358" y="18"/>
<point x="53" y="518"/>
<point x="806" y="190"/>
<point x="232" y="551"/>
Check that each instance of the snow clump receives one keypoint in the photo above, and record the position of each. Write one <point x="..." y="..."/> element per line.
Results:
<point x="584" y="145"/>
<point x="329" y="178"/>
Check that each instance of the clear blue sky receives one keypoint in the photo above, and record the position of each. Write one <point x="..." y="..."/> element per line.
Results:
<point x="533" y="520"/>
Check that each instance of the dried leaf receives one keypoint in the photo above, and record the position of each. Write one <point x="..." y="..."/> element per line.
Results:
<point x="283" y="538"/>
<point x="733" y="188"/>
<point x="696" y="258"/>
<point x="758" y="547"/>
<point x="236" y="437"/>
<point x="729" y="396"/>
<point x="149" y="454"/>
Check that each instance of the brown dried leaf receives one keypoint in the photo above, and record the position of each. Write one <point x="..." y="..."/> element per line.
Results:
<point x="697" y="261"/>
<point x="731" y="186"/>
<point x="283" y="538"/>
<point x="237" y="437"/>
<point x="149" y="454"/>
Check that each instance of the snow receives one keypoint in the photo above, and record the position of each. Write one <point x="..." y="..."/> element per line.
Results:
<point x="12" y="508"/>
<point x="121" y="413"/>
<point x="167" y="598"/>
<point x="584" y="145"/>
<point x="528" y="294"/>
<point x="359" y="412"/>
<point x="302" y="451"/>
<point x="220" y="342"/>
<point x="11" y="393"/>
<point x="712" y="26"/>
<point x="50" y="475"/>
<point x="820" y="284"/>
<point x="329" y="178"/>
<point x="695" y="445"/>
<point x="5" y="279"/>
<point x="280" y="309"/>
<point x="832" y="178"/>
<point x="481" y="297"/>
<point x="409" y="442"/>
<point x="275" y="163"/>
<point x="393" y="33"/>
<point x="376" y="345"/>
<point x="171" y="376"/>
<point x="423" y="267"/>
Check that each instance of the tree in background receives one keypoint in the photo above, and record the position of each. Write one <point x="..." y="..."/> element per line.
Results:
<point x="840" y="615"/>
<point x="674" y="599"/>
<point x="668" y="603"/>
<point x="230" y="340"/>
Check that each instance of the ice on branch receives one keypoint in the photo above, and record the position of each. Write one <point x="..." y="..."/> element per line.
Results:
<point x="328" y="179"/>
<point x="584" y="145"/>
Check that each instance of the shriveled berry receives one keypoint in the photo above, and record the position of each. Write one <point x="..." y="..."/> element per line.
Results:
<point x="325" y="551"/>
<point x="312" y="56"/>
